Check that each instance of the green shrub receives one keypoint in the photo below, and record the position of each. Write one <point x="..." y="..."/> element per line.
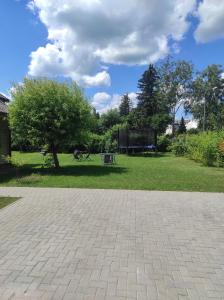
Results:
<point x="111" y="138"/>
<point x="178" y="146"/>
<point x="221" y="153"/>
<point x="95" y="143"/>
<point x="48" y="160"/>
<point x="193" y="131"/>
<point x="164" y="143"/>
<point x="205" y="147"/>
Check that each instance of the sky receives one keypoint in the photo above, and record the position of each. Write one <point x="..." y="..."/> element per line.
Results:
<point x="105" y="45"/>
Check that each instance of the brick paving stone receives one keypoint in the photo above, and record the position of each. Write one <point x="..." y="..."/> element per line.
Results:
<point x="107" y="244"/>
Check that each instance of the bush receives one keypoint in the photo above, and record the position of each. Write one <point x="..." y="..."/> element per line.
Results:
<point x="110" y="138"/>
<point x="164" y="143"/>
<point x="95" y="143"/>
<point x="221" y="153"/>
<point x="193" y="131"/>
<point x="178" y="147"/>
<point x="205" y="147"/>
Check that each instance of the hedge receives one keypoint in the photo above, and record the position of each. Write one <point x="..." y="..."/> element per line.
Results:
<point x="205" y="147"/>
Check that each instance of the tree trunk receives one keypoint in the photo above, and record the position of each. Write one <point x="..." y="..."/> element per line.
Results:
<point x="55" y="156"/>
<point x="173" y="125"/>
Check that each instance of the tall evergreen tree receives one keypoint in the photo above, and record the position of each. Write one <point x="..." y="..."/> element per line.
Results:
<point x="148" y="96"/>
<point x="125" y="106"/>
<point x="182" y="128"/>
<point x="151" y="108"/>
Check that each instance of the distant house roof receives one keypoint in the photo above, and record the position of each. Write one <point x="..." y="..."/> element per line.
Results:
<point x="3" y="107"/>
<point x="3" y="98"/>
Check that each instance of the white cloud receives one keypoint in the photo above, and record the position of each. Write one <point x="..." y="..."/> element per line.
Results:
<point x="101" y="78"/>
<point x="86" y="35"/>
<point x="211" y="16"/>
<point x="100" y="100"/>
<point x="193" y="124"/>
<point x="103" y="101"/>
<point x="133" y="97"/>
<point x="31" y="6"/>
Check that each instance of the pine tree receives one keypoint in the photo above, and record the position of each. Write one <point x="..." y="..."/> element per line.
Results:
<point x="152" y="111"/>
<point x="182" y="128"/>
<point x="147" y="98"/>
<point x="125" y="106"/>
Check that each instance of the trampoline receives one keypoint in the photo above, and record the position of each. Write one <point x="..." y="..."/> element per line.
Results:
<point x="133" y="140"/>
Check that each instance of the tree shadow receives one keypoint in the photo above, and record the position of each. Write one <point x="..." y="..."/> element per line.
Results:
<point x="75" y="170"/>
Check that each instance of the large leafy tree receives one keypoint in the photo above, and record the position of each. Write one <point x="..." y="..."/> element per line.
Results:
<point x="207" y="99"/>
<point x="175" y="85"/>
<point x="48" y="113"/>
<point x="152" y="110"/>
<point x="109" y="119"/>
<point x="95" y="121"/>
<point x="125" y="106"/>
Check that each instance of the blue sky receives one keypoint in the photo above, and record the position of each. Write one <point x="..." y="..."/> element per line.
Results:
<point x="193" y="27"/>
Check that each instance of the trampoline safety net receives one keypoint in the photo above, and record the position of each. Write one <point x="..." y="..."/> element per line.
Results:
<point x="130" y="138"/>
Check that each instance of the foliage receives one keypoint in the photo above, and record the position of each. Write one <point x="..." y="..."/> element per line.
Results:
<point x="95" y="143"/>
<point x="46" y="112"/>
<point x="164" y="143"/>
<point x="95" y="126"/>
<point x="178" y="146"/>
<point x="125" y="106"/>
<point x="15" y="161"/>
<point x="109" y="119"/>
<point x="182" y="128"/>
<point x="206" y="101"/>
<point x="48" y="160"/>
<point x="221" y="153"/>
<point x="193" y="131"/>
<point x="175" y="85"/>
<point x="111" y="138"/>
<point x="159" y="122"/>
<point x="151" y="110"/>
<point x="206" y="147"/>
<point x="147" y="98"/>
<point x="134" y="119"/>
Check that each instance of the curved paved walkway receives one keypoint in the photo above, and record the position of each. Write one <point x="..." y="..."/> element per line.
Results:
<point x="107" y="244"/>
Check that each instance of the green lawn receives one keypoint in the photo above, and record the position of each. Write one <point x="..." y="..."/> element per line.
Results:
<point x="165" y="172"/>
<point x="4" y="201"/>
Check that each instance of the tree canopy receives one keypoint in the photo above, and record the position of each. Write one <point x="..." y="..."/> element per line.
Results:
<point x="182" y="127"/>
<point x="109" y="119"/>
<point x="175" y="85"/>
<point x="152" y="110"/>
<point x="207" y="98"/>
<point x="125" y="106"/>
<point x="48" y="113"/>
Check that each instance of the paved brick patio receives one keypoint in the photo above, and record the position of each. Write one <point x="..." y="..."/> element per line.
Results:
<point x="104" y="244"/>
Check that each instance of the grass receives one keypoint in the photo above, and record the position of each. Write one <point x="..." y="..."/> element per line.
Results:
<point x="164" y="172"/>
<point x="4" y="201"/>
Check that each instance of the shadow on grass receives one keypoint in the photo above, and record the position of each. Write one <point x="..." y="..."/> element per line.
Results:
<point x="147" y="154"/>
<point x="30" y="170"/>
